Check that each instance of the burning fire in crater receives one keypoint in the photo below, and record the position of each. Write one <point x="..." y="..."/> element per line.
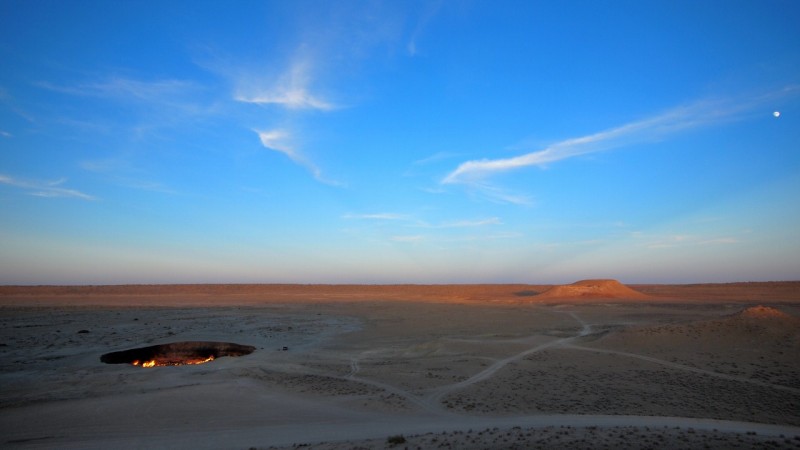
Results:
<point x="156" y="362"/>
<point x="176" y="354"/>
<point x="150" y="363"/>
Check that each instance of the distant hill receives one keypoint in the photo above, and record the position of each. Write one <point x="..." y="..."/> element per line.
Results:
<point x="764" y="312"/>
<point x="611" y="289"/>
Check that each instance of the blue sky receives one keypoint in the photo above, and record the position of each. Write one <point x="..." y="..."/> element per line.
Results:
<point x="402" y="142"/>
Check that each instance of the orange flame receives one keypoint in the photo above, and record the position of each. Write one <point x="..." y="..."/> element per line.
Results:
<point x="154" y="363"/>
<point x="199" y="361"/>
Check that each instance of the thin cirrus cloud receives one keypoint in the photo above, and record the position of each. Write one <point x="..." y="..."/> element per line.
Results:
<point x="44" y="188"/>
<point x="436" y="157"/>
<point x="290" y="91"/>
<point x="417" y="223"/>
<point x="281" y="141"/>
<point x="698" y="114"/>
<point x="468" y="223"/>
<point x="378" y="216"/>
<point x="500" y="195"/>
<point x="149" y="104"/>
<point x="409" y="239"/>
<point x="681" y="240"/>
<point x="122" y="173"/>
<point x="170" y="93"/>
<point x="429" y="13"/>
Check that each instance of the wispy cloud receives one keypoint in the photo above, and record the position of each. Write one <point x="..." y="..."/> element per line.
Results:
<point x="409" y="239"/>
<point x="433" y="190"/>
<point x="436" y="157"/>
<point x="278" y="140"/>
<point x="106" y="165"/>
<point x="673" y="240"/>
<point x="145" y="185"/>
<point x="413" y="222"/>
<point x="428" y="14"/>
<point x="124" y="87"/>
<point x="615" y="137"/>
<point x="698" y="114"/>
<point x="289" y="90"/>
<point x="5" y="134"/>
<point x="44" y="188"/>
<point x="378" y="216"/>
<point x="9" y="102"/>
<point x="407" y="228"/>
<point x="281" y="141"/>
<point x="499" y="195"/>
<point x="166" y="92"/>
<point x="146" y="105"/>
<point x="687" y="240"/>
<point x="121" y="172"/>
<point x="446" y="239"/>
<point x="467" y="223"/>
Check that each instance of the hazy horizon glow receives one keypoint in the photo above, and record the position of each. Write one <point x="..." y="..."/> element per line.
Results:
<point x="399" y="142"/>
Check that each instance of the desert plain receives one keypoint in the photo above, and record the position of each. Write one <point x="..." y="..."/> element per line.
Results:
<point x="595" y="364"/>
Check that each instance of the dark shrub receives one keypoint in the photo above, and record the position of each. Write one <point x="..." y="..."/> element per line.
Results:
<point x="394" y="440"/>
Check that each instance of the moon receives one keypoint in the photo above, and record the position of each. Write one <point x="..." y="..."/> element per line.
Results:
<point x="776" y="114"/>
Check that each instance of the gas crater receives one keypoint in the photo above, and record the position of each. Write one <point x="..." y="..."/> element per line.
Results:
<point x="177" y="353"/>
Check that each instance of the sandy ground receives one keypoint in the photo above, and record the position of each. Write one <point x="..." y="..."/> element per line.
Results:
<point x="433" y="367"/>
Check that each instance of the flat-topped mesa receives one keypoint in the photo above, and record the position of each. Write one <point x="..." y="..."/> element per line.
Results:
<point x="592" y="289"/>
